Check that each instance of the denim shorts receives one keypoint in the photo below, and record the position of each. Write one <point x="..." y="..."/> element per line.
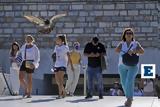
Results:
<point x="57" y="69"/>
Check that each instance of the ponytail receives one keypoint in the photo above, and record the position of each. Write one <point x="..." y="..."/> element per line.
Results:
<point x="63" y="38"/>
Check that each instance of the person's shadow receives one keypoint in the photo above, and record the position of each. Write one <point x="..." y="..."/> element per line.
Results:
<point x="42" y="100"/>
<point x="121" y="106"/>
<point x="82" y="100"/>
<point x="11" y="99"/>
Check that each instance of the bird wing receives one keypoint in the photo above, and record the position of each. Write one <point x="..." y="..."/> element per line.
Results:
<point x="35" y="20"/>
<point x="57" y="17"/>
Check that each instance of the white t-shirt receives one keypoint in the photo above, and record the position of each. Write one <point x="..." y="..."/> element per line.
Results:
<point x="31" y="54"/>
<point x="61" y="55"/>
<point x="125" y="48"/>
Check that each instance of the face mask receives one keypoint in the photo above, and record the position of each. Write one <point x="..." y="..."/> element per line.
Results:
<point x="76" y="47"/>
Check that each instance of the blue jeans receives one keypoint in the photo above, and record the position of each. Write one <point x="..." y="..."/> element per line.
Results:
<point x="94" y="73"/>
<point x="127" y="77"/>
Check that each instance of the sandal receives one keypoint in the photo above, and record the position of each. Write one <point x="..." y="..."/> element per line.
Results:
<point x="128" y="103"/>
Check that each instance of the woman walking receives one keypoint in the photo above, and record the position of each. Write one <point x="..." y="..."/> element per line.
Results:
<point x="14" y="69"/>
<point x="30" y="61"/>
<point x="128" y="72"/>
<point x="62" y="59"/>
<point x="73" y="76"/>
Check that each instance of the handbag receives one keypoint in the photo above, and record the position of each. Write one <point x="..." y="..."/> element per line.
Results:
<point x="54" y="57"/>
<point x="103" y="63"/>
<point x="130" y="60"/>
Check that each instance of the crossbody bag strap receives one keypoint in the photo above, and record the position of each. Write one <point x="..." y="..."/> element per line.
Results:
<point x="25" y="52"/>
<point x="130" y="47"/>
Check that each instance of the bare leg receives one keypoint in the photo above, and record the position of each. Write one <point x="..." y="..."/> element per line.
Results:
<point x="29" y="84"/>
<point x="61" y="83"/>
<point x="22" y="81"/>
<point x="58" y="82"/>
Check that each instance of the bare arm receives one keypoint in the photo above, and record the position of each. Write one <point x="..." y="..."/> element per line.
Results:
<point x="118" y="48"/>
<point x="139" y="49"/>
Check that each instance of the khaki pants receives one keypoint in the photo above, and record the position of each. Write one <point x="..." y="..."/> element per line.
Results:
<point x="73" y="77"/>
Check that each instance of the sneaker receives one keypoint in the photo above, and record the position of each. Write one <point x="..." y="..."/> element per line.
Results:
<point x="100" y="97"/>
<point x="59" y="97"/>
<point x="24" y="95"/>
<point x="29" y="96"/>
<point x="71" y="94"/>
<point x="88" y="97"/>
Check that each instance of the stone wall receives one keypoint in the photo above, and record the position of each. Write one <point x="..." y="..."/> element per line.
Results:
<point x="86" y="18"/>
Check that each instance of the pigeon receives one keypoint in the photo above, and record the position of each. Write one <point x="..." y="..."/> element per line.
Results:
<point x="45" y="25"/>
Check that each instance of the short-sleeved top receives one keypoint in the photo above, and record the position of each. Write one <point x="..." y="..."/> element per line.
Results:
<point x="61" y="55"/>
<point x="125" y="48"/>
<point x="90" y="48"/>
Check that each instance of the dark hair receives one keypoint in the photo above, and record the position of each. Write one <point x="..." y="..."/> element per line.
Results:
<point x="12" y="49"/>
<point x="47" y="22"/>
<point x="95" y="39"/>
<point x="63" y="38"/>
<point x="124" y="33"/>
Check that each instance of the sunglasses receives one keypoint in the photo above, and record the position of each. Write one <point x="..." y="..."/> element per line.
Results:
<point x="129" y="33"/>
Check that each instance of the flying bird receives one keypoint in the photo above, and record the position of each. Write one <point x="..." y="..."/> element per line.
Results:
<point x="45" y="25"/>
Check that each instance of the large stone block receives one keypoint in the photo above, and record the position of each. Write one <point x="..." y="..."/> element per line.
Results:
<point x="81" y="24"/>
<point x="54" y="7"/>
<point x="139" y="6"/>
<point x="123" y="12"/>
<point x="17" y="7"/>
<point x="76" y="7"/>
<point x="67" y="30"/>
<point x="9" y="7"/>
<point x="147" y="29"/>
<point x="78" y="30"/>
<point x="96" y="13"/>
<point x="111" y="13"/>
<point x="70" y="25"/>
<point x="119" y="30"/>
<point x="120" y="6"/>
<point x="109" y="6"/>
<point x="150" y="6"/>
<point x="43" y="13"/>
<point x="145" y="12"/>
<point x="8" y="30"/>
<point x="133" y="12"/>
<point x="33" y="7"/>
<point x="130" y="6"/>
<point x="9" y="13"/>
<point x="42" y="7"/>
<point x="25" y="7"/>
<point x="124" y="24"/>
<point x="83" y="13"/>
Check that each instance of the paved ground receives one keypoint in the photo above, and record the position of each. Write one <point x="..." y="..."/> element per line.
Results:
<point x="76" y="101"/>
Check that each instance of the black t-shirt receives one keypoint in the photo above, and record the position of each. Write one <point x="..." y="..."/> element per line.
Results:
<point x="90" y="48"/>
